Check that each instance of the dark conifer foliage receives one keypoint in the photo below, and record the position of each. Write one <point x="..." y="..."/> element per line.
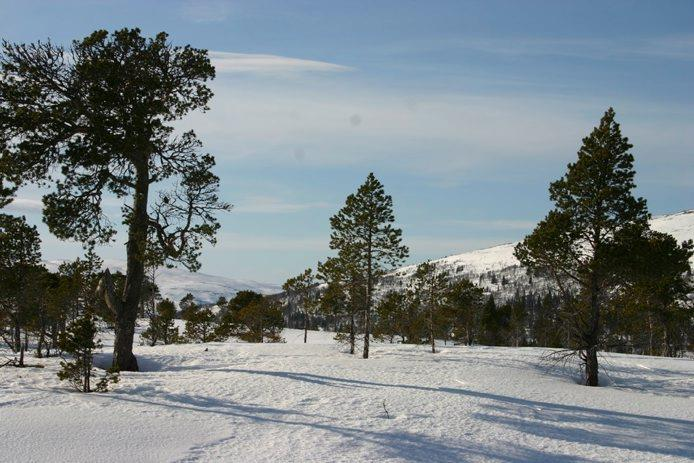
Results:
<point x="302" y="292"/>
<point x="161" y="325"/>
<point x="20" y="255"/>
<point x="364" y="229"/>
<point x="80" y="342"/>
<point x="101" y="111"/>
<point x="464" y="309"/>
<point x="344" y="297"/>
<point x="594" y="218"/>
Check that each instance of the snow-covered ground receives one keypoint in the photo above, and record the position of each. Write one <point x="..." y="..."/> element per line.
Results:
<point x="236" y="402"/>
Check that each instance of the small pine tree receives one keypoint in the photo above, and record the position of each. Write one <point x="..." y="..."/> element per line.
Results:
<point x="391" y="319"/>
<point x="302" y="292"/>
<point x="80" y="342"/>
<point x="200" y="324"/>
<point x="229" y="322"/>
<point x="463" y="310"/>
<point x="161" y="324"/>
<point x="430" y="288"/>
<point x="260" y="321"/>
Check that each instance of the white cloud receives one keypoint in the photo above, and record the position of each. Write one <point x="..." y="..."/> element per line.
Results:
<point x="495" y="224"/>
<point x="25" y="205"/>
<point x="227" y="62"/>
<point x="243" y="242"/>
<point x="272" y="205"/>
<point x="446" y="136"/>
<point x="597" y="48"/>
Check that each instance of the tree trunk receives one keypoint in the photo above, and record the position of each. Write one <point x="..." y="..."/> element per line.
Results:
<point x="39" y="345"/>
<point x="591" y="337"/>
<point x="305" y="327"/>
<point x="431" y="329"/>
<point x="87" y="371"/>
<point x="126" y="311"/>
<point x="591" y="360"/>
<point x="367" y="322"/>
<point x="352" y="336"/>
<point x="650" y="335"/>
<point x="369" y="289"/>
<point x="668" y="348"/>
<point x="17" y="337"/>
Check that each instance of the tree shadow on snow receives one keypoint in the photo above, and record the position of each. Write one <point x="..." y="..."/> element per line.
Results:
<point x="590" y="426"/>
<point x="666" y="436"/>
<point x="399" y="444"/>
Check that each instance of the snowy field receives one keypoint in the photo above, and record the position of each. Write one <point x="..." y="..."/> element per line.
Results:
<point x="295" y="403"/>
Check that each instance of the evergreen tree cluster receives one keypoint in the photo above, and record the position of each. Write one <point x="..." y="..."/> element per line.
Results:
<point x="613" y="284"/>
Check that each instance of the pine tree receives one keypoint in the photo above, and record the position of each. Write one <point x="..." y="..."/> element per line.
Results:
<point x="229" y="322"/>
<point x="20" y="254"/>
<point x="200" y="324"/>
<point x="463" y="310"/>
<point x="430" y="290"/>
<point x="80" y="342"/>
<point x="491" y="323"/>
<point x="364" y="229"/>
<point x="595" y="212"/>
<point x="102" y="114"/>
<point x="261" y="321"/>
<point x="161" y="324"/>
<point x="392" y="319"/>
<point x="654" y="294"/>
<point x="302" y="292"/>
<point x="345" y="294"/>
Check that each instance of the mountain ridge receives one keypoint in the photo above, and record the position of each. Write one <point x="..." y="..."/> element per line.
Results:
<point x="494" y="268"/>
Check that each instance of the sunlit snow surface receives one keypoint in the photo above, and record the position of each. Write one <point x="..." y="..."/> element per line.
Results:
<point x="292" y="402"/>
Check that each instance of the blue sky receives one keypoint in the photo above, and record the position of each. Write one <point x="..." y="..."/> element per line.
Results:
<point x="465" y="111"/>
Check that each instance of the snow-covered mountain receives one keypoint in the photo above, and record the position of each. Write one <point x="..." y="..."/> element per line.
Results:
<point x="500" y="273"/>
<point x="495" y="269"/>
<point x="175" y="283"/>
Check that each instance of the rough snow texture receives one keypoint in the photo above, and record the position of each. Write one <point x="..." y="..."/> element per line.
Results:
<point x="298" y="403"/>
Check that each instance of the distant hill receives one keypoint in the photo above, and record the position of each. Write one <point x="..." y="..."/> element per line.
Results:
<point x="500" y="273"/>
<point x="495" y="269"/>
<point x="176" y="283"/>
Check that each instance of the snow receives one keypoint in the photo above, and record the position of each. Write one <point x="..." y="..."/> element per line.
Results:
<point x="313" y="402"/>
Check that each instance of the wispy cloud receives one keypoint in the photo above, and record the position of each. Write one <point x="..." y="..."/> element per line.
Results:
<point x="205" y="11"/>
<point x="597" y="48"/>
<point x="228" y="62"/>
<point x="272" y="205"/>
<point x="443" y="136"/>
<point x="592" y="48"/>
<point x="279" y="243"/>
<point x="25" y="205"/>
<point x="495" y="224"/>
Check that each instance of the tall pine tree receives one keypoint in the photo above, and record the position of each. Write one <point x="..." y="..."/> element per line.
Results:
<point x="101" y="112"/>
<point x="364" y="229"/>
<point x="594" y="217"/>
